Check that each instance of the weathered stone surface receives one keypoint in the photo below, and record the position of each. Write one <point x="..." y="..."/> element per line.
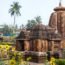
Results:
<point x="57" y="20"/>
<point x="26" y="45"/>
<point x="43" y="38"/>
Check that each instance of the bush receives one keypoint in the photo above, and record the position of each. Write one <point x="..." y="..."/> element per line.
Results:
<point x="60" y="62"/>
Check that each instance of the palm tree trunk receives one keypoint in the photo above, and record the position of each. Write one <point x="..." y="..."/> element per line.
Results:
<point x="14" y="23"/>
<point x="14" y="19"/>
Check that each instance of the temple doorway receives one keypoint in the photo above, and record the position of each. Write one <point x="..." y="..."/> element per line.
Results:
<point x="21" y="42"/>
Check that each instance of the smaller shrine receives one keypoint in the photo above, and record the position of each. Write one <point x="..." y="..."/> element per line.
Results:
<point x="37" y="41"/>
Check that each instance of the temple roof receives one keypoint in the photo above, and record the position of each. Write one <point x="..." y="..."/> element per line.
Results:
<point x="38" y="31"/>
<point x="24" y="35"/>
<point x="39" y="27"/>
<point x="57" y="19"/>
<point x="60" y="7"/>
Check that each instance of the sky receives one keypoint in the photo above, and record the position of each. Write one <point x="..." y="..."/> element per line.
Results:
<point x="30" y="9"/>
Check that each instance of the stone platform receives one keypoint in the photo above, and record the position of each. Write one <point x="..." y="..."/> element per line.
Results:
<point x="37" y="57"/>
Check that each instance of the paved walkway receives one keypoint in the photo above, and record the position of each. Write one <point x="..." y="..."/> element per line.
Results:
<point x="32" y="63"/>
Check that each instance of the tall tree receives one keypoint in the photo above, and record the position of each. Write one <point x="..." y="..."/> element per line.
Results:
<point x="7" y="29"/>
<point x="38" y="19"/>
<point x="32" y="23"/>
<point x="15" y="10"/>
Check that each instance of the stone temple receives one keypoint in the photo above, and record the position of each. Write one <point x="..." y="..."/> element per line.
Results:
<point x="40" y="38"/>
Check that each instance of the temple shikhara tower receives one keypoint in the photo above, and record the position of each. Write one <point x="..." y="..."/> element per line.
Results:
<point x="40" y="38"/>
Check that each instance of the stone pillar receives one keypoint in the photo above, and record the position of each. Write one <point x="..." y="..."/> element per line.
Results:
<point x="52" y="46"/>
<point x="46" y="45"/>
<point x="61" y="44"/>
<point x="43" y="46"/>
<point x="38" y="45"/>
<point x="26" y="45"/>
<point x="35" y="45"/>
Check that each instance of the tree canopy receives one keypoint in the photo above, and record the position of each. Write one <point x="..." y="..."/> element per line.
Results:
<point x="6" y="29"/>
<point x="15" y="10"/>
<point x="33" y="22"/>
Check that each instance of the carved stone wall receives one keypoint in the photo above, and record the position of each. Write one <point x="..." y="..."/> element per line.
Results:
<point x="57" y="20"/>
<point x="44" y="46"/>
<point x="26" y="45"/>
<point x="40" y="45"/>
<point x="38" y="42"/>
<point x="63" y="44"/>
<point x="54" y="45"/>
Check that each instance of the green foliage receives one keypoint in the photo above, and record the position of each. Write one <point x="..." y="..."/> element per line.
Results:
<point x="60" y="62"/>
<point x="5" y="43"/>
<point x="1" y="62"/>
<point x="29" y="58"/>
<point x="33" y="22"/>
<point x="17" y="56"/>
<point x="38" y="19"/>
<point x="30" y="24"/>
<point x="7" y="29"/>
<point x="14" y="10"/>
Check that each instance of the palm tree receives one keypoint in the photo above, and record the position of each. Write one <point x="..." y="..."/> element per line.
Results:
<point x="15" y="10"/>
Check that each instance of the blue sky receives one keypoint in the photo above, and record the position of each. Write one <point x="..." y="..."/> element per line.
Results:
<point x="30" y="9"/>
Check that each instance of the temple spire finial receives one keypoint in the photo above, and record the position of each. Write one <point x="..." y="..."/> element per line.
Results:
<point x="60" y="3"/>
